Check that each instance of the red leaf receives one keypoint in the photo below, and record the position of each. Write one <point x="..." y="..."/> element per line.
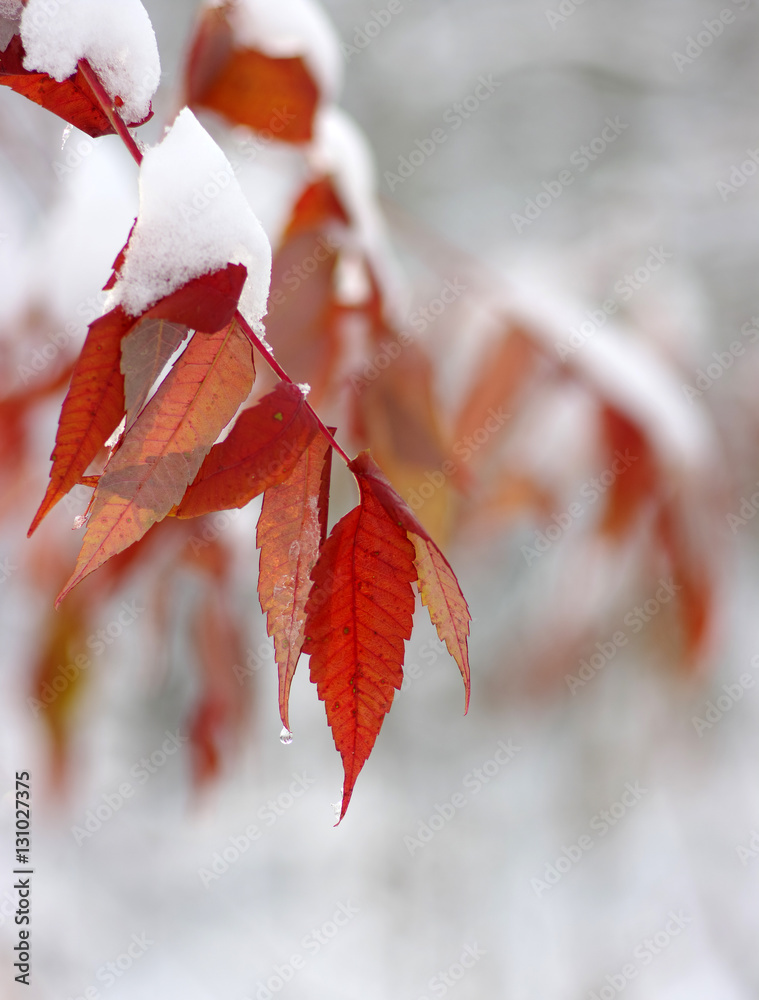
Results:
<point x="207" y="303"/>
<point x="148" y="474"/>
<point x="291" y="529"/>
<point x="92" y="408"/>
<point x="72" y="99"/>
<point x="247" y="86"/>
<point x="631" y="492"/>
<point x="437" y="582"/>
<point x="260" y="451"/>
<point x="359" y="613"/>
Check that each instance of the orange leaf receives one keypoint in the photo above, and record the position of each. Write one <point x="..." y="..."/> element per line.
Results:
<point x="148" y="474"/>
<point x="303" y="316"/>
<point x="72" y="99"/>
<point x="291" y="529"/>
<point x="247" y="86"/>
<point x="359" y="613"/>
<point x="397" y="416"/>
<point x="92" y="408"/>
<point x="260" y="451"/>
<point x="505" y="373"/>
<point x="317" y="206"/>
<point x="437" y="583"/>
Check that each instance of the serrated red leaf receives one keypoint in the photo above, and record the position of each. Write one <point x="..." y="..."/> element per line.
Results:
<point x="291" y="529"/>
<point x="249" y="87"/>
<point x="359" y="613"/>
<point x="260" y="451"/>
<point x="72" y="99"/>
<point x="92" y="409"/>
<point x="437" y="583"/>
<point x="162" y="452"/>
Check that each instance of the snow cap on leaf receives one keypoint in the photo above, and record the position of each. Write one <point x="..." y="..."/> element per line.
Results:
<point x="114" y="36"/>
<point x="268" y="66"/>
<point x="193" y="220"/>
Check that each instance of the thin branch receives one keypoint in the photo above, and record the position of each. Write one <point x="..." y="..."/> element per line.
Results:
<point x="279" y="370"/>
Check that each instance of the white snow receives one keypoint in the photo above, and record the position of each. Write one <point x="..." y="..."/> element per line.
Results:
<point x="341" y="150"/>
<point x="292" y="28"/>
<point x="625" y="370"/>
<point x="116" y="36"/>
<point x="193" y="219"/>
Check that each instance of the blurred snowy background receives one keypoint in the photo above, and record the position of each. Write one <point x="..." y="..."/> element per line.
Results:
<point x="617" y="850"/>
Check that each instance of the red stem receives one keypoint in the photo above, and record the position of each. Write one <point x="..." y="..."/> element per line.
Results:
<point x="279" y="370"/>
<point x="128" y="139"/>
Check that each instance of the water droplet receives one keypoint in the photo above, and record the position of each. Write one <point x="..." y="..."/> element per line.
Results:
<point x="79" y="521"/>
<point x="66" y="133"/>
<point x="285" y="736"/>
